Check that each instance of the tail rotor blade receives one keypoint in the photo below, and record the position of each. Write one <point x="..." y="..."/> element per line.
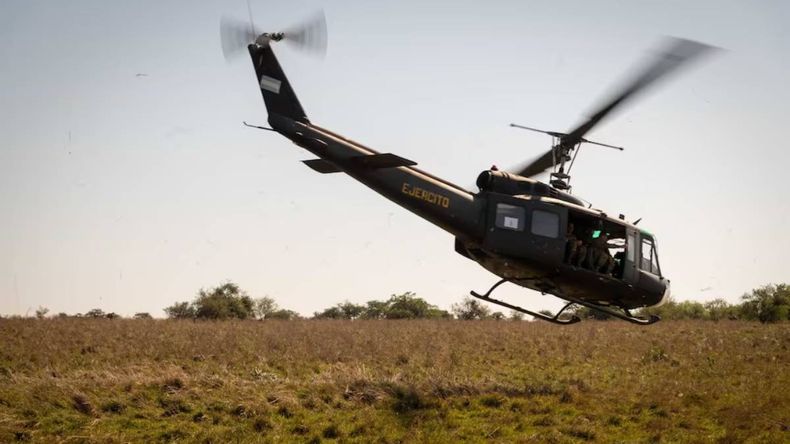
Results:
<point x="310" y="36"/>
<point x="235" y="35"/>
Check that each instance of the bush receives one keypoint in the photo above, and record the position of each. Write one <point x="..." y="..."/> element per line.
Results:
<point x="588" y="313"/>
<point x="770" y="303"/>
<point x="330" y="313"/>
<point x="41" y="312"/>
<point x="264" y="307"/>
<point x="224" y="302"/>
<point x="283" y="315"/>
<point x="470" y="309"/>
<point x="180" y="310"/>
<point x="95" y="313"/>
<point x="409" y="306"/>
<point x="400" y="306"/>
<point x="228" y="301"/>
<point x="719" y="309"/>
<point x="673" y="310"/>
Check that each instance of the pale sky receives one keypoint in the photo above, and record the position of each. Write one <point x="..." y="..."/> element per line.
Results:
<point x="128" y="193"/>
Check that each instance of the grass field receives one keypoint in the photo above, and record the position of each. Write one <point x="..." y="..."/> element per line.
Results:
<point x="83" y="380"/>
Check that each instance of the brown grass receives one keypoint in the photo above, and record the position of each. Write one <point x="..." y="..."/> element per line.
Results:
<point x="392" y="381"/>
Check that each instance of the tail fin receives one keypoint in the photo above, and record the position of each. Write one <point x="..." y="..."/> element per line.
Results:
<point x="275" y="88"/>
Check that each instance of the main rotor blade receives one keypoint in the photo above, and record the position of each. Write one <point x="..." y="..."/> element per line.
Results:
<point x="676" y="53"/>
<point x="602" y="144"/>
<point x="536" y="166"/>
<point x="551" y="133"/>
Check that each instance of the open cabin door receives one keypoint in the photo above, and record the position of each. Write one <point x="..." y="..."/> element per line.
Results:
<point x="526" y="229"/>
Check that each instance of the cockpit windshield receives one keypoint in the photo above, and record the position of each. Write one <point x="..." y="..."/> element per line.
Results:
<point x="649" y="257"/>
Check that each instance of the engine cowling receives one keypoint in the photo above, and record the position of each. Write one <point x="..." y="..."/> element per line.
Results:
<point x="507" y="183"/>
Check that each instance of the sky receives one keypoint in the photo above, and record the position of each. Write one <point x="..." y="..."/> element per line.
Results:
<point x="127" y="181"/>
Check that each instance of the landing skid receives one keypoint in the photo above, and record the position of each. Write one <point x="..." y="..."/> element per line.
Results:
<point x="624" y="314"/>
<point x="553" y="319"/>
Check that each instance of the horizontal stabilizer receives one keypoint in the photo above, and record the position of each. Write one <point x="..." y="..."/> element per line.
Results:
<point x="322" y="166"/>
<point x="385" y="160"/>
<point x="372" y="161"/>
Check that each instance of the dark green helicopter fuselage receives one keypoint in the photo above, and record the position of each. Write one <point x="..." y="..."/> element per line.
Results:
<point x="528" y="248"/>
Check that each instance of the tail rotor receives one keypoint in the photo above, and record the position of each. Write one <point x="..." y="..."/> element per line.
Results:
<point x="309" y="36"/>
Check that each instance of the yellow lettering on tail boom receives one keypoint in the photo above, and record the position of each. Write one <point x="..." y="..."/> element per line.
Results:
<point x="428" y="196"/>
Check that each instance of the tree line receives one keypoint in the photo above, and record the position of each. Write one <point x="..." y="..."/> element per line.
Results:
<point x="228" y="301"/>
<point x="769" y="303"/>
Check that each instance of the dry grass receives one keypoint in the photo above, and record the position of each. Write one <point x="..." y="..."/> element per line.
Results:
<point x="81" y="380"/>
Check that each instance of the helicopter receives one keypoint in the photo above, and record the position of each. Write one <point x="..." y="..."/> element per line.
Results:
<point x="533" y="234"/>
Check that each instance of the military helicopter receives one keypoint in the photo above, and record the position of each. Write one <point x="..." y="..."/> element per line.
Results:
<point x="530" y="233"/>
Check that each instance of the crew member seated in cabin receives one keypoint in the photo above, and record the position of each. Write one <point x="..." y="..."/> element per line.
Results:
<point x="572" y="247"/>
<point x="600" y="258"/>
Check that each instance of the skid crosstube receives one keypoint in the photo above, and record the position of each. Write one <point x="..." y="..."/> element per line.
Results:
<point x="624" y="314"/>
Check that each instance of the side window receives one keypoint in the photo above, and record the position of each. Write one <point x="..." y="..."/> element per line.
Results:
<point x="546" y="223"/>
<point x="509" y="217"/>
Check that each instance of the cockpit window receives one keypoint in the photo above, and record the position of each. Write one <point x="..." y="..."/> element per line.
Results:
<point x="649" y="261"/>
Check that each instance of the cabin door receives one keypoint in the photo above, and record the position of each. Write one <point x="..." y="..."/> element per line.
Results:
<point x="526" y="229"/>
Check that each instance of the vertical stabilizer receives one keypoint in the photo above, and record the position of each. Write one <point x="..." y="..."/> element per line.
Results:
<point x="275" y="88"/>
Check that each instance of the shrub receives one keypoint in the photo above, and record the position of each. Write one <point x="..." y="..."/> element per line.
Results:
<point x="223" y="302"/>
<point x="264" y="307"/>
<point x="284" y="315"/>
<point x="180" y="310"/>
<point x="770" y="303"/>
<point x="228" y="301"/>
<point x="95" y="313"/>
<point x="400" y="306"/>
<point x="41" y="312"/>
<point x="470" y="309"/>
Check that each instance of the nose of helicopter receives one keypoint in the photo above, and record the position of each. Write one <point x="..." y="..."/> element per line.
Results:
<point x="667" y="293"/>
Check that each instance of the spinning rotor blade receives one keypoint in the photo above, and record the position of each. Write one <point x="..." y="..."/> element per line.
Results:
<point x="536" y="166"/>
<point x="310" y="35"/>
<point x="676" y="53"/>
<point x="235" y="35"/>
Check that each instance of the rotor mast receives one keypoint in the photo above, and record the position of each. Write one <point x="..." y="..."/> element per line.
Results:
<point x="563" y="153"/>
